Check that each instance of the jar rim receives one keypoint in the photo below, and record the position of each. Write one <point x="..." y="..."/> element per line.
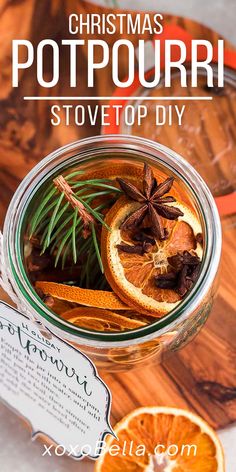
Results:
<point x="18" y="205"/>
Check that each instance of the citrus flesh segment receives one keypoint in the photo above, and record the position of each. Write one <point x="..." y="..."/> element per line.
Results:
<point x="100" y="320"/>
<point x="82" y="296"/>
<point x="168" y="439"/>
<point x="131" y="275"/>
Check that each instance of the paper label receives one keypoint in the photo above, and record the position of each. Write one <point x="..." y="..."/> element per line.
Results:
<point x="53" y="385"/>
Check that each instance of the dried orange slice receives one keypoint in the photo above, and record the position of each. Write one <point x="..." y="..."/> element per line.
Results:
<point x="132" y="276"/>
<point x="133" y="171"/>
<point x="132" y="355"/>
<point x="124" y="169"/>
<point x="82" y="296"/>
<point x="162" y="439"/>
<point x="100" y="320"/>
<point x="149" y="351"/>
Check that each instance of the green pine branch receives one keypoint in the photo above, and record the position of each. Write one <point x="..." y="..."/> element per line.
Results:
<point x="68" y="222"/>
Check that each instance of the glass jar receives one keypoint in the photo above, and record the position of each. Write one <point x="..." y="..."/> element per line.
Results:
<point x="123" y="350"/>
<point x="204" y="138"/>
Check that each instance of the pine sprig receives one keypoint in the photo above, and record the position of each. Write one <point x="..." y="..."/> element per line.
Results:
<point x="68" y="221"/>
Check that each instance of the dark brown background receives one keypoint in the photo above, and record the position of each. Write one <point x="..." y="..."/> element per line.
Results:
<point x="203" y="375"/>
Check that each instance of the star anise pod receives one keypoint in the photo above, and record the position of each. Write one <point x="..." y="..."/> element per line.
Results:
<point x="153" y="203"/>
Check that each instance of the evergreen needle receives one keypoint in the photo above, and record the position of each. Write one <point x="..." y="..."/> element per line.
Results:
<point x="74" y="174"/>
<point x="96" y="183"/>
<point x="39" y="210"/>
<point x="52" y="221"/>
<point x="93" y="212"/>
<point x="65" y="255"/>
<point x="95" y="242"/>
<point x="61" y="246"/>
<point x="59" y="233"/>
<point x="43" y="217"/>
<point x="74" y="236"/>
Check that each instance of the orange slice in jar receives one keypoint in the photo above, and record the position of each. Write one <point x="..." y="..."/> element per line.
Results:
<point x="132" y="355"/>
<point x="132" y="275"/>
<point x="100" y="320"/>
<point x="162" y="439"/>
<point x="133" y="171"/>
<point x="82" y="296"/>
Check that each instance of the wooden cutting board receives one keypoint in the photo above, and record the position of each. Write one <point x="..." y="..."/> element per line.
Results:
<point x="202" y="376"/>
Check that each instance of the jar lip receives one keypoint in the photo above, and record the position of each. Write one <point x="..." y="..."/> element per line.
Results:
<point x="212" y="224"/>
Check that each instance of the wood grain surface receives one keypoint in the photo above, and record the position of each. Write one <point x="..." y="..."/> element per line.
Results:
<point x="203" y="375"/>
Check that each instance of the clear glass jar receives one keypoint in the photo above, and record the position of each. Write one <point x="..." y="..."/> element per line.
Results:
<point x="116" y="351"/>
<point x="204" y="138"/>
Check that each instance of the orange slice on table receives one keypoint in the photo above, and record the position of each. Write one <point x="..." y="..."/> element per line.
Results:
<point x="100" y="320"/>
<point x="184" y="442"/>
<point x="132" y="276"/>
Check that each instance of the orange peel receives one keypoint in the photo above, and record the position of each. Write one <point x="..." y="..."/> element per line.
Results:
<point x="82" y="296"/>
<point x="100" y="320"/>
